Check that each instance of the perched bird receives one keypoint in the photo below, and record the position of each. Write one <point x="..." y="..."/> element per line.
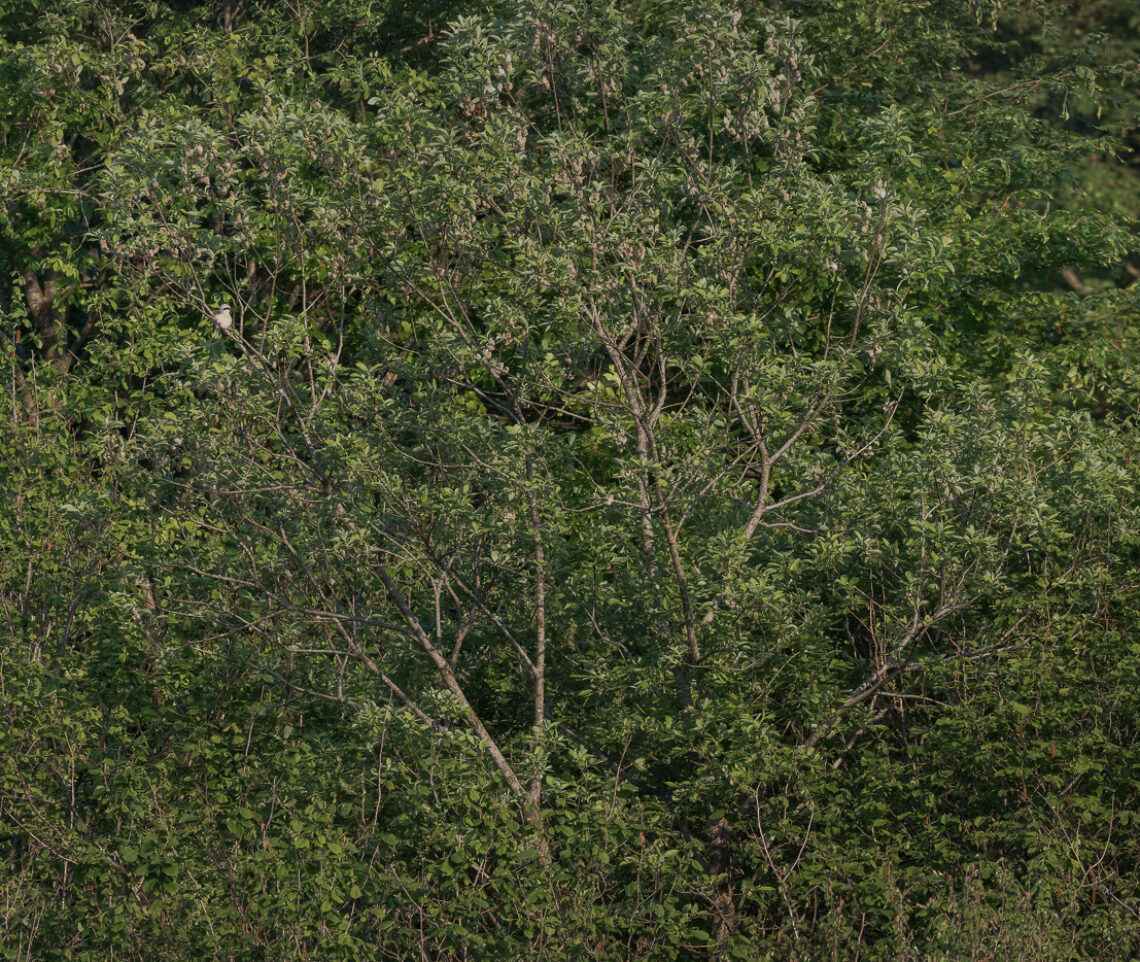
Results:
<point x="223" y="318"/>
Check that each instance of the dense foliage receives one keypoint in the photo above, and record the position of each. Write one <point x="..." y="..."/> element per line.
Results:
<point x="669" y="490"/>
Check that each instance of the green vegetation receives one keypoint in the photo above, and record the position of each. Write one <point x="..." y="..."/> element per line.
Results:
<point x="669" y="489"/>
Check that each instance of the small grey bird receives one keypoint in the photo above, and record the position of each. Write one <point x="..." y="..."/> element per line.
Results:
<point x="223" y="318"/>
